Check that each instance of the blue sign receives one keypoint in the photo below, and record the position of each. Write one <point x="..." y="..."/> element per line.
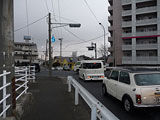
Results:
<point x="53" y="39"/>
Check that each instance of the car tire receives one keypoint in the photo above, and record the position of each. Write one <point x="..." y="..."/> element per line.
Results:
<point x="128" y="104"/>
<point x="104" y="90"/>
<point x="84" y="78"/>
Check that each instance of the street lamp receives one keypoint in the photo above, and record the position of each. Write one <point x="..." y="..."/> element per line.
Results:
<point x="49" y="31"/>
<point x="104" y="41"/>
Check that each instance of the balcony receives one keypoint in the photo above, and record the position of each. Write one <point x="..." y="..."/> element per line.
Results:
<point x="126" y="34"/>
<point x="146" y="22"/>
<point x="110" y="8"/>
<point x="146" y="46"/>
<point x="149" y="60"/>
<point x="110" y="18"/>
<point x="139" y="1"/>
<point x="126" y="12"/>
<point x="126" y="24"/>
<point x="110" y="39"/>
<point x="125" y="2"/>
<point x="126" y="60"/>
<point x="148" y="33"/>
<point x="126" y="47"/>
<point x="110" y="49"/>
<point x="110" y="28"/>
<point x="146" y="10"/>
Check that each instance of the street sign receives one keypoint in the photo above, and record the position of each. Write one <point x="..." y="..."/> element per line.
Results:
<point x="53" y="39"/>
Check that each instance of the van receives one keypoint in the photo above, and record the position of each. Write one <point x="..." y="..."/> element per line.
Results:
<point x="91" y="70"/>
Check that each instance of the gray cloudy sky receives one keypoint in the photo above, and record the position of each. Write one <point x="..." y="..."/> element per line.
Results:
<point x="75" y="11"/>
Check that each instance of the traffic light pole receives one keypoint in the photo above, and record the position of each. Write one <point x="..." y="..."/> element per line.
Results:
<point x="49" y="40"/>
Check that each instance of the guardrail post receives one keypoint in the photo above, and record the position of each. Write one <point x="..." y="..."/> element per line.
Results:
<point x="76" y="96"/>
<point x="94" y="112"/>
<point x="4" y="92"/>
<point x="26" y="80"/>
<point x="69" y="83"/>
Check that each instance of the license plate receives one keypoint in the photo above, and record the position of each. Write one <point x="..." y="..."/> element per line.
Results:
<point x="158" y="99"/>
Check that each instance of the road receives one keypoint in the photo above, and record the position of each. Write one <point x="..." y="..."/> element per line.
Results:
<point x="114" y="105"/>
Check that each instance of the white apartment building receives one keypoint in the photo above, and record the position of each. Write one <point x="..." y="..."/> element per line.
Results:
<point x="25" y="53"/>
<point x="135" y="32"/>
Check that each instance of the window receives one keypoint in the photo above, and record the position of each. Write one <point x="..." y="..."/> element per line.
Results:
<point x="92" y="65"/>
<point x="147" y="79"/>
<point x="114" y="75"/>
<point x="124" y="78"/>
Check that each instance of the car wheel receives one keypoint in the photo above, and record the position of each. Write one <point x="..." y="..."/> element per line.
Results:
<point x="84" y="78"/>
<point x="128" y="104"/>
<point x="104" y="90"/>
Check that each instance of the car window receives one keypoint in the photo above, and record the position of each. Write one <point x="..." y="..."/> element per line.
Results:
<point x="107" y="72"/>
<point x="92" y="65"/>
<point x="114" y="75"/>
<point x="147" y="79"/>
<point x="124" y="77"/>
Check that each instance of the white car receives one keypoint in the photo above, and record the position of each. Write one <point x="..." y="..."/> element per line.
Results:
<point x="134" y="87"/>
<point x="76" y="66"/>
<point x="91" y="70"/>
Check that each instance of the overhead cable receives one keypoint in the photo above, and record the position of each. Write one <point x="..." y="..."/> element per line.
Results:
<point x="91" y="11"/>
<point x="30" y="24"/>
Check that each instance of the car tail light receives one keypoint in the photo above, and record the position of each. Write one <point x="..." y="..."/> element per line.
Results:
<point x="138" y="99"/>
<point x="102" y="76"/>
<point x="89" y="76"/>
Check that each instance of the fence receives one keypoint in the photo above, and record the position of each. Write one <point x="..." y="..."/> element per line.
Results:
<point x="98" y="110"/>
<point x="19" y="86"/>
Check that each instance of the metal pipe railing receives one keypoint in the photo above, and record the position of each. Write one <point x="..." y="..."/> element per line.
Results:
<point x="5" y="95"/>
<point x="98" y="110"/>
<point x="22" y="77"/>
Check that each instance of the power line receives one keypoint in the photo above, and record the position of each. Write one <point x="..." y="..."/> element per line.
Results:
<point x="91" y="10"/>
<point x="84" y="41"/>
<point x="73" y="34"/>
<point x="46" y="5"/>
<point x="30" y="24"/>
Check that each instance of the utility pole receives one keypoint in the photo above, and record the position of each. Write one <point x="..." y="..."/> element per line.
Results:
<point x="7" y="41"/>
<point x="49" y="40"/>
<point x="60" y="48"/>
<point x="46" y="54"/>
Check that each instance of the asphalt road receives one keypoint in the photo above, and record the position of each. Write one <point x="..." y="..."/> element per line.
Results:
<point x="114" y="105"/>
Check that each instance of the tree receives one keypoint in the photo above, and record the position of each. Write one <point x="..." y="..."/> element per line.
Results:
<point x="101" y="50"/>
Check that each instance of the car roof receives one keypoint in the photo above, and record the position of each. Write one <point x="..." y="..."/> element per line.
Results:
<point x="138" y="69"/>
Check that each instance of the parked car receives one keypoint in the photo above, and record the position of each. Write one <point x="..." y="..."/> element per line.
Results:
<point x="91" y="70"/>
<point x="76" y="66"/>
<point x="135" y="87"/>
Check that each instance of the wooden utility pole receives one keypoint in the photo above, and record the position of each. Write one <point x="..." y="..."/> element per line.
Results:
<point x="49" y="40"/>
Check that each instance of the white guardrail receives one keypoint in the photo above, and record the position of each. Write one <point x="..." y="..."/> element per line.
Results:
<point x="98" y="110"/>
<point x="22" y="76"/>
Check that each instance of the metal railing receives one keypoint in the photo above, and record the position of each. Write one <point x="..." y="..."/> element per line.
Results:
<point x="98" y="110"/>
<point x="22" y="76"/>
<point x="5" y="95"/>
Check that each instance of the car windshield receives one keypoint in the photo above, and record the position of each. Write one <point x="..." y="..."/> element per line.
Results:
<point x="147" y="79"/>
<point x="91" y="65"/>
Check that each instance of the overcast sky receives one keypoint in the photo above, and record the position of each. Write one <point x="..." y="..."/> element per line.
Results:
<point x="70" y="11"/>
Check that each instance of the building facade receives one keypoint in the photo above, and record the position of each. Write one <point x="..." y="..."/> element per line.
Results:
<point x="25" y="53"/>
<point x="135" y="32"/>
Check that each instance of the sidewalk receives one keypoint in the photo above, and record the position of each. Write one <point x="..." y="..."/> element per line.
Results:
<point x="51" y="101"/>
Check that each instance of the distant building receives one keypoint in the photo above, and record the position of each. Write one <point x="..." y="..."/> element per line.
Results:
<point x="135" y="32"/>
<point x="25" y="53"/>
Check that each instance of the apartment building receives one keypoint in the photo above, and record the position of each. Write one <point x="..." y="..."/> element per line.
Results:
<point x="25" y="53"/>
<point x="135" y="32"/>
